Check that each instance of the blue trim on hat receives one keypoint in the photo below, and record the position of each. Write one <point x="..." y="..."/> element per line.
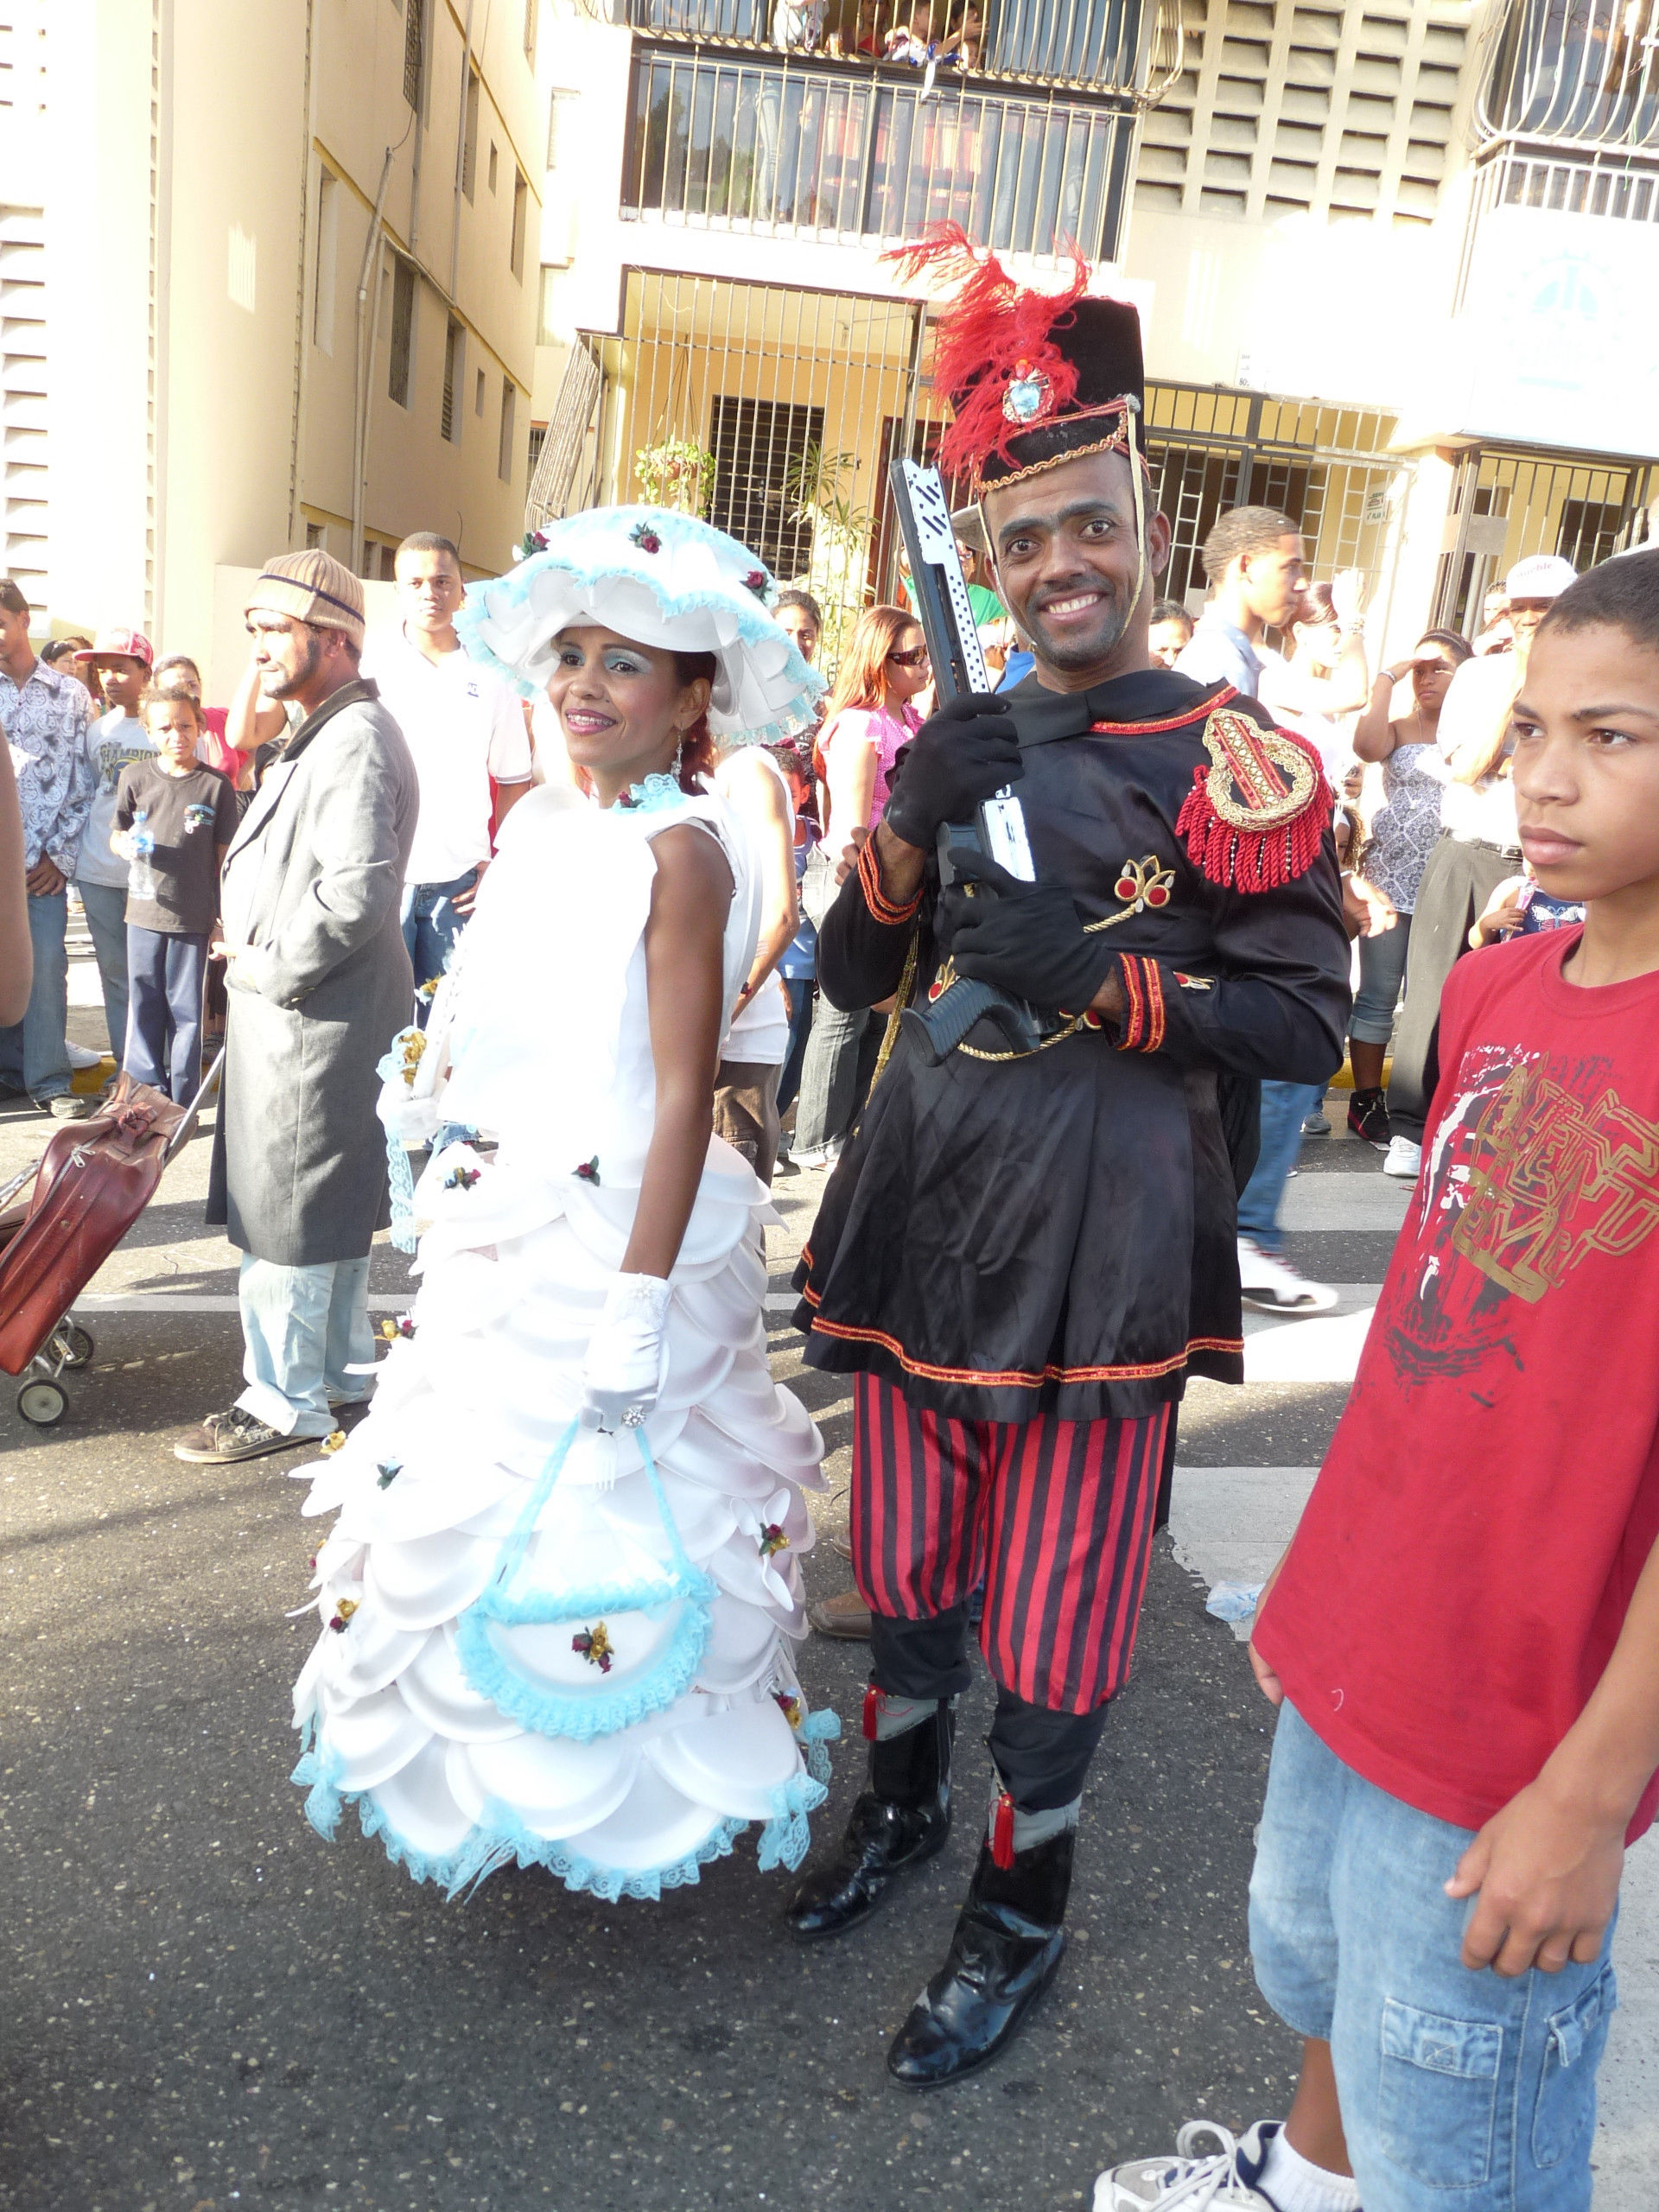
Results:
<point x="600" y="545"/>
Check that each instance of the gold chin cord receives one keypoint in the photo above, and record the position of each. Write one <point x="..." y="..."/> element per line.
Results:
<point x="1140" y="476"/>
<point x="1131" y="411"/>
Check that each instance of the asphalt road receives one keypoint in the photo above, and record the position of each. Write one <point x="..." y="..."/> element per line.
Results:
<point x="210" y="2006"/>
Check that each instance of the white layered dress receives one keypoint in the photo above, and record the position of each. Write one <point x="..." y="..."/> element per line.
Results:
<point x="541" y="1644"/>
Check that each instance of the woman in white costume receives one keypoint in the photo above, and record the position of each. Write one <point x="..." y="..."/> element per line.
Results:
<point x="559" y="1602"/>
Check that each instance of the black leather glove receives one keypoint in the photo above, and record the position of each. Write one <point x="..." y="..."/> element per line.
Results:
<point x="1025" y="938"/>
<point x="960" y="757"/>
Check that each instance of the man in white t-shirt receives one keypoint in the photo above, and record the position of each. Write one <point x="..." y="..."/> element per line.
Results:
<point x="466" y="729"/>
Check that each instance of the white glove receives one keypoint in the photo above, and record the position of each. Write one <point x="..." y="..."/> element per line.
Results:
<point x="622" y="1373"/>
<point x="406" y="1118"/>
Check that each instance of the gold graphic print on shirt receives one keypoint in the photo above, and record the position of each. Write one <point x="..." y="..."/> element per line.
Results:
<point x="1536" y="1164"/>
<point x="1551" y="1178"/>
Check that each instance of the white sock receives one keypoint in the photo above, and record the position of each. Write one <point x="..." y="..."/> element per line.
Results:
<point x="1298" y="2185"/>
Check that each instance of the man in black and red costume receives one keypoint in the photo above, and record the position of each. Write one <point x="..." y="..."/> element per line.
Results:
<point x="1022" y="1259"/>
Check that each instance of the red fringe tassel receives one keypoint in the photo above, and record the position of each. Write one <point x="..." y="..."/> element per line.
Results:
<point x="1252" y="860"/>
<point x="1002" y="1833"/>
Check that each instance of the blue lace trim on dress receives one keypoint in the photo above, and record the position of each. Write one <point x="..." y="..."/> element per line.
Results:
<point x="500" y="1841"/>
<point x="581" y="1715"/>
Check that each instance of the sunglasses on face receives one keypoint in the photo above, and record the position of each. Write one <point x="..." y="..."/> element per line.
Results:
<point x="913" y="659"/>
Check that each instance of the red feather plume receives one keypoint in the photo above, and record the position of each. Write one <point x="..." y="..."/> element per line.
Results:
<point x="993" y="330"/>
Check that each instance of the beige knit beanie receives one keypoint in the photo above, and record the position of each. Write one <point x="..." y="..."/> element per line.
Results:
<point x="314" y="588"/>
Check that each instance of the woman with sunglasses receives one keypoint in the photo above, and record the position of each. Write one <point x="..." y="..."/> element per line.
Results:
<point x="871" y="716"/>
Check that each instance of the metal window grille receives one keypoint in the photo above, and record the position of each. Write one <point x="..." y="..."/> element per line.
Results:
<point x="1097" y="43"/>
<point x="834" y="378"/>
<point x="455" y="343"/>
<point x="1326" y="468"/>
<point x="1585" y="70"/>
<point x="846" y="153"/>
<point x="762" y="447"/>
<point x="414" y="50"/>
<point x="1506" y="504"/>
<point x="403" y="330"/>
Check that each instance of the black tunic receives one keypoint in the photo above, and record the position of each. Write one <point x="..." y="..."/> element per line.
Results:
<point x="1056" y="1233"/>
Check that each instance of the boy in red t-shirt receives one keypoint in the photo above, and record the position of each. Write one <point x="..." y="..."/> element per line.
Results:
<point x="1462" y="1638"/>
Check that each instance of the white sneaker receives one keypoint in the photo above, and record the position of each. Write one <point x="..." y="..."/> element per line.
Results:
<point x="79" y="1055"/>
<point x="1403" y="1159"/>
<point x="1223" y="2181"/>
<point x="823" y="1155"/>
<point x="1267" y="1283"/>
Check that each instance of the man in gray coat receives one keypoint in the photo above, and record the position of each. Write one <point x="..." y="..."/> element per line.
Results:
<point x="318" y="985"/>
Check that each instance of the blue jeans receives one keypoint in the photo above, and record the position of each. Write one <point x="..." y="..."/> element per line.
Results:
<point x="32" y="1057"/>
<point x="301" y="1329"/>
<point x="431" y="926"/>
<point x="1285" y="1107"/>
<point x="1381" y="972"/>
<point x="165" y="978"/>
<point x="800" y="988"/>
<point x="105" y="907"/>
<point x="1458" y="2089"/>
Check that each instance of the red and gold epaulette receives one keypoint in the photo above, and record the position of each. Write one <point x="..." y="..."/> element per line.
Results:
<point x="1257" y="815"/>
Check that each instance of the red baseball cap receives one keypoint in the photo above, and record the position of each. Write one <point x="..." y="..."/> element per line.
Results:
<point x="133" y="642"/>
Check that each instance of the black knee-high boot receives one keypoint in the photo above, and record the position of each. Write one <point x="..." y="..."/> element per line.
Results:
<point x="1007" y="1946"/>
<point x="902" y="1819"/>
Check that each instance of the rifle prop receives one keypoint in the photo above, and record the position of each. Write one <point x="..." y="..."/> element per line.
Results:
<point x="940" y="592"/>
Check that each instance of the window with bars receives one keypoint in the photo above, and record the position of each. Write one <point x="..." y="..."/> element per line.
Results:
<point x="1328" y="467"/>
<point x="791" y="147"/>
<point x="455" y="350"/>
<point x="763" y="454"/>
<point x="414" y="51"/>
<point x="402" y="351"/>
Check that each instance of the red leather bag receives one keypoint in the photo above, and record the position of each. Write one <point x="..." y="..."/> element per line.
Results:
<point x="95" y="1178"/>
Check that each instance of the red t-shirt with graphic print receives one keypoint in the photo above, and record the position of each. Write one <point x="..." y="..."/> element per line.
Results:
<point x="1491" y="1498"/>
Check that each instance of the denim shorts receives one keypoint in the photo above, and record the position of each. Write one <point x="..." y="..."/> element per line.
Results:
<point x="1458" y="2090"/>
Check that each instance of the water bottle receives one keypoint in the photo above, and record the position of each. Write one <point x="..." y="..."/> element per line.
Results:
<point x="140" y="876"/>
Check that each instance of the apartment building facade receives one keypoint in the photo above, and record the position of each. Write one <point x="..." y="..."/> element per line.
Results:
<point x="270" y="279"/>
<point x="1383" y="253"/>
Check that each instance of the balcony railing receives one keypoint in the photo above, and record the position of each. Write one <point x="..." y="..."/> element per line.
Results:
<point x="1579" y="70"/>
<point x="835" y="152"/>
<point x="1093" y="44"/>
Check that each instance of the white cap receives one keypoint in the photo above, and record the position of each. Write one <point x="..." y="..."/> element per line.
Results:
<point x="1540" y="575"/>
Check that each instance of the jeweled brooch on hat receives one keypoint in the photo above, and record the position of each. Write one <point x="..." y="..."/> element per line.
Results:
<point x="1028" y="396"/>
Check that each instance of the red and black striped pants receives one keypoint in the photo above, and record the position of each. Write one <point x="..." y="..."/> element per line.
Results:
<point x="1055" y="1515"/>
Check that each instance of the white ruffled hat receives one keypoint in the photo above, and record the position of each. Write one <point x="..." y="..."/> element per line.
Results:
<point x="662" y="579"/>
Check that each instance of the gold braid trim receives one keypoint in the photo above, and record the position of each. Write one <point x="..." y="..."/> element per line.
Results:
<point x="1078" y="1021"/>
<point x="906" y="984"/>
